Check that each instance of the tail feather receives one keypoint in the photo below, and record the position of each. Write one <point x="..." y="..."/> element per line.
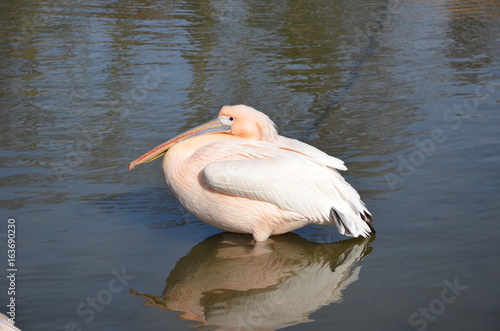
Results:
<point x="368" y="219"/>
<point x="353" y="226"/>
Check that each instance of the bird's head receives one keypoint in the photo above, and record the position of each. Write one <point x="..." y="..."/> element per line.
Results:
<point x="239" y="121"/>
<point x="248" y="123"/>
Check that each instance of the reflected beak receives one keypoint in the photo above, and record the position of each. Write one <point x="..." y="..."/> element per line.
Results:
<point x="210" y="127"/>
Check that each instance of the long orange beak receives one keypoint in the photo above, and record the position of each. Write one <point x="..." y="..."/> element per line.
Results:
<point x="210" y="127"/>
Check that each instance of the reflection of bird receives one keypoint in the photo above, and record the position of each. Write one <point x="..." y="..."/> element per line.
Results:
<point x="227" y="282"/>
<point x="238" y="174"/>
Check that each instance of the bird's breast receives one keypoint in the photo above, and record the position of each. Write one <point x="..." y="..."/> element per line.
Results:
<point x="184" y="163"/>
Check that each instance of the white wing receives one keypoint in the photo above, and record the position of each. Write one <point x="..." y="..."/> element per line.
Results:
<point x="291" y="180"/>
<point x="317" y="155"/>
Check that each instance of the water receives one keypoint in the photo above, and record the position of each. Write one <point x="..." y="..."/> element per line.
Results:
<point x="406" y="93"/>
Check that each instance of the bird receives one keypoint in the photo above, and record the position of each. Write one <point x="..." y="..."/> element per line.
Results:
<point x="6" y="324"/>
<point x="238" y="174"/>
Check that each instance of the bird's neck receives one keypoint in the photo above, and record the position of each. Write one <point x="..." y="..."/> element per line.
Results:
<point x="182" y="151"/>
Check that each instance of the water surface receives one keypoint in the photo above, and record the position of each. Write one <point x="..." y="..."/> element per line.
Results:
<point x="406" y="93"/>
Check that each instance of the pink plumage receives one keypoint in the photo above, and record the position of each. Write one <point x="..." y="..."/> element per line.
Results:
<point x="238" y="174"/>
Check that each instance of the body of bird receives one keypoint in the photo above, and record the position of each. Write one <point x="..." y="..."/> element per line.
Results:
<point x="238" y="174"/>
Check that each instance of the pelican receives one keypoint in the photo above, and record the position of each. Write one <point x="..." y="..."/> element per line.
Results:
<point x="6" y="324"/>
<point x="236" y="173"/>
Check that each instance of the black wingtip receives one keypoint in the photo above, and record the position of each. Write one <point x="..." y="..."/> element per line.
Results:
<point x="339" y="221"/>
<point x="369" y="220"/>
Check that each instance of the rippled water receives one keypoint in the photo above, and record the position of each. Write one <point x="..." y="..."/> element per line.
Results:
<point x="406" y="93"/>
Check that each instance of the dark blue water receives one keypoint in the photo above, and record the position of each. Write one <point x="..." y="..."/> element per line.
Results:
<point x="406" y="93"/>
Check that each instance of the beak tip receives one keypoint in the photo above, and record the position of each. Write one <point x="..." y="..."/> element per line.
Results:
<point x="131" y="166"/>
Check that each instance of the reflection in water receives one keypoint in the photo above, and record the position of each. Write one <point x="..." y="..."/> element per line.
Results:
<point x="229" y="282"/>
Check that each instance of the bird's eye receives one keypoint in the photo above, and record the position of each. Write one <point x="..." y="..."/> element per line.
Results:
<point x="231" y="119"/>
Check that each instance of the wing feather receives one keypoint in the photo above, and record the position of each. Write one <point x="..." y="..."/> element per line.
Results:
<point x="310" y="151"/>
<point x="292" y="180"/>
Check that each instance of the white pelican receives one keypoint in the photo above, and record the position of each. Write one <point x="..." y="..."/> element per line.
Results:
<point x="238" y="174"/>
